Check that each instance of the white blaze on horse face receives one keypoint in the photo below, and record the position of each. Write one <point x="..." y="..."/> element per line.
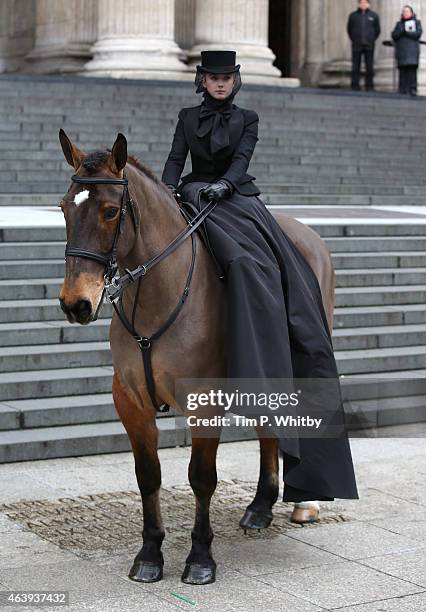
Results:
<point x="81" y="197"/>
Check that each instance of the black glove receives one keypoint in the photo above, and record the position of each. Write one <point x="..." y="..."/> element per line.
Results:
<point x="216" y="191"/>
<point x="173" y="190"/>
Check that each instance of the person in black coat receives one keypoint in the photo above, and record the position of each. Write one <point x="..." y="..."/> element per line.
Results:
<point x="277" y="326"/>
<point x="363" y="28"/>
<point x="406" y="35"/>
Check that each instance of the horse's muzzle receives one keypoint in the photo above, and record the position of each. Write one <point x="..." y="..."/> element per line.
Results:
<point x="79" y="312"/>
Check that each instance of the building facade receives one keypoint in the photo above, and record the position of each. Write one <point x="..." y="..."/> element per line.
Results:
<point x="282" y="42"/>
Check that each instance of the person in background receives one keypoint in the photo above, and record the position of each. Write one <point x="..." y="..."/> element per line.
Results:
<point x="406" y="35"/>
<point x="363" y="29"/>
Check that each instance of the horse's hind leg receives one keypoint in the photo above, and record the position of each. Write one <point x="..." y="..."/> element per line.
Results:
<point x="143" y="434"/>
<point x="200" y="566"/>
<point x="258" y="514"/>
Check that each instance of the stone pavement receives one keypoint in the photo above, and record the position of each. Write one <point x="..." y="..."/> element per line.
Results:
<point x="75" y="525"/>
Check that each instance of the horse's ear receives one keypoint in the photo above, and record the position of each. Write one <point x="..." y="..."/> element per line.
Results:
<point x="119" y="153"/>
<point x="72" y="153"/>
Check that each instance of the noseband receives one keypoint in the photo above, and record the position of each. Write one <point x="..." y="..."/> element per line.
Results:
<point x="114" y="283"/>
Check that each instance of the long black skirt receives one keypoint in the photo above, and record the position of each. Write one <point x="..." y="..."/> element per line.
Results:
<point x="277" y="328"/>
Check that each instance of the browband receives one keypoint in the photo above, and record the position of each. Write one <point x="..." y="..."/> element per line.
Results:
<point x="93" y="180"/>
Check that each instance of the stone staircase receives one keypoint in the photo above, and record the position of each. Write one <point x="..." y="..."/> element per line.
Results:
<point x="316" y="150"/>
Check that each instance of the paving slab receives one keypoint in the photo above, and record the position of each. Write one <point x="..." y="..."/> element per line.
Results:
<point x="411" y="524"/>
<point x="346" y="584"/>
<point x="410" y="565"/>
<point x="356" y="540"/>
<point x="406" y="603"/>
<point x="233" y="591"/>
<point x="85" y="581"/>
<point x="25" y="549"/>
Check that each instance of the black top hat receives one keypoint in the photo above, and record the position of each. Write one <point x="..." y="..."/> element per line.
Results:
<point x="218" y="62"/>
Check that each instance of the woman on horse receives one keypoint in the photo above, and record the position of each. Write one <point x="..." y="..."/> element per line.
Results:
<point x="277" y="327"/>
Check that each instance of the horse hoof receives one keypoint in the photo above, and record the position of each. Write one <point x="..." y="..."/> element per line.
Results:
<point x="256" y="519"/>
<point x="198" y="574"/>
<point x="301" y="516"/>
<point x="146" y="571"/>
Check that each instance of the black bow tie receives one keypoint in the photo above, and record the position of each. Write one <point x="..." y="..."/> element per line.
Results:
<point x="217" y="122"/>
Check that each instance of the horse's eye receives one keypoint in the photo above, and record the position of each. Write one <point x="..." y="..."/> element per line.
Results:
<point x="110" y="213"/>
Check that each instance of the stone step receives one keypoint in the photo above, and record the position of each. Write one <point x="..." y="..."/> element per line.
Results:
<point x="57" y="411"/>
<point x="385" y="269"/>
<point x="384" y="385"/>
<point x="380" y="337"/>
<point x="385" y="412"/>
<point x="45" y="357"/>
<point x="33" y="288"/>
<point x="389" y="359"/>
<point x="383" y="259"/>
<point x="52" y="332"/>
<point x="32" y="234"/>
<point x="367" y="252"/>
<point x="308" y="199"/>
<point x="76" y="440"/>
<point x="371" y="296"/>
<point x="30" y="415"/>
<point x="43" y="310"/>
<point x="14" y="251"/>
<point x="14" y="311"/>
<point x="404" y="275"/>
<point x="271" y="191"/>
<point x="394" y="229"/>
<point x="27" y="269"/>
<point x="363" y="244"/>
<point x="380" y="276"/>
<point x="97" y="354"/>
<point x="25" y="199"/>
<point x="54" y="383"/>
<point x="373" y="316"/>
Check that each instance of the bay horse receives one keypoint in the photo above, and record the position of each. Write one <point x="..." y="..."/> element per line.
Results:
<point x="193" y="347"/>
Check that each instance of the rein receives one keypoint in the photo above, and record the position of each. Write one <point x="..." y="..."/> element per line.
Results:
<point x="115" y="283"/>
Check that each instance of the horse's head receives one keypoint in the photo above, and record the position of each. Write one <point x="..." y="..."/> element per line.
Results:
<point x="92" y="218"/>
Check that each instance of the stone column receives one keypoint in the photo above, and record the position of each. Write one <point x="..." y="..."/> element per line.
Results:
<point x="337" y="60"/>
<point x="314" y="41"/>
<point x="184" y="24"/>
<point x="389" y="12"/>
<point x="419" y="7"/>
<point x="136" y="40"/>
<point x="65" y="32"/>
<point x="17" y="23"/>
<point x="241" y="26"/>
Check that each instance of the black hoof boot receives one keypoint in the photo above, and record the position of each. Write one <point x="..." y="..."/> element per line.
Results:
<point x="195" y="573"/>
<point x="146" y="571"/>
<point x="256" y="519"/>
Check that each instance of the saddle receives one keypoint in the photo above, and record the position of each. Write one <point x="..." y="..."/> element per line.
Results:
<point x="189" y="211"/>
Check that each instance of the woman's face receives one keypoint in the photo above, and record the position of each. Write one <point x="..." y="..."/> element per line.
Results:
<point x="219" y="85"/>
<point x="407" y="13"/>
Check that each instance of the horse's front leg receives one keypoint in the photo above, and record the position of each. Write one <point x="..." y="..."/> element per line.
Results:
<point x="200" y="566"/>
<point x="141" y="428"/>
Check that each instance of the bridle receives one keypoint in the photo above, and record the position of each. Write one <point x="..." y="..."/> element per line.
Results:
<point x="115" y="283"/>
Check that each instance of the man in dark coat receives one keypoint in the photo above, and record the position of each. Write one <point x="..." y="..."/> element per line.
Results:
<point x="363" y="29"/>
<point x="406" y="35"/>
